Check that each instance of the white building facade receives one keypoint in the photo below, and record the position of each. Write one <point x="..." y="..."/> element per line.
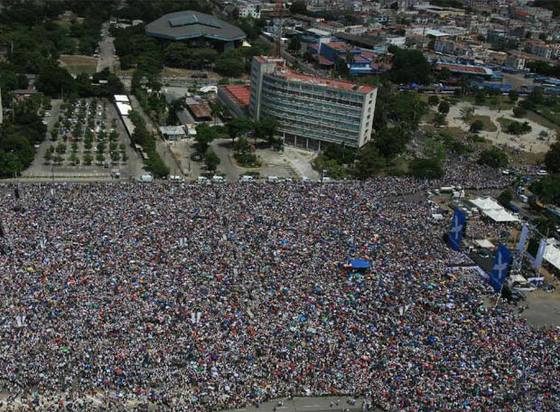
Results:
<point x="311" y="111"/>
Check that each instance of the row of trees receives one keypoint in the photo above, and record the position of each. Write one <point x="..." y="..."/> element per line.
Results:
<point x="144" y="138"/>
<point x="18" y="135"/>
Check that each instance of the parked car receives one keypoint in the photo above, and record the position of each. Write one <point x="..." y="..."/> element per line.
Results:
<point x="246" y="178"/>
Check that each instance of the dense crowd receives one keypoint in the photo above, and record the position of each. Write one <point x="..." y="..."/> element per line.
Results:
<point x="199" y="298"/>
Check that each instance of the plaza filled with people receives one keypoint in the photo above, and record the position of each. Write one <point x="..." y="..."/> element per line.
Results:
<point x="200" y="298"/>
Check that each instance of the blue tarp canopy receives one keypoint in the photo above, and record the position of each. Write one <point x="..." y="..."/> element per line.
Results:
<point x="359" y="264"/>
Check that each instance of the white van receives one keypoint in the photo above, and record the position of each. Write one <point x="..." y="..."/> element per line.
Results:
<point x="202" y="179"/>
<point x="247" y="178"/>
<point x="218" y="179"/>
<point x="272" y="179"/>
<point x="147" y="178"/>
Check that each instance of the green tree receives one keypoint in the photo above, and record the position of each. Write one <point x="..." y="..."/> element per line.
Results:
<point x="49" y="154"/>
<point x="410" y="66"/>
<point x="204" y="136"/>
<point x="73" y="159"/>
<point x="519" y="111"/>
<point x="517" y="128"/>
<point x="369" y="162"/>
<point x="54" y="81"/>
<point x="115" y="156"/>
<point x="157" y="166"/>
<point x="552" y="158"/>
<point x="444" y="107"/>
<point x="211" y="159"/>
<point x="238" y="126"/>
<point x="439" y="120"/>
<point x="505" y="197"/>
<point x="548" y="189"/>
<point x="493" y="157"/>
<point x="10" y="164"/>
<point x="513" y="96"/>
<point x="60" y="148"/>
<point x="534" y="99"/>
<point x="229" y="66"/>
<point x="477" y="126"/>
<point x="434" y="149"/>
<point x="433" y="100"/>
<point x="391" y="141"/>
<point x="265" y="128"/>
<point x="426" y="168"/>
<point x="480" y="98"/>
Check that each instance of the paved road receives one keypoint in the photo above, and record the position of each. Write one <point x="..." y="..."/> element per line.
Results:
<point x="162" y="147"/>
<point x="107" y="56"/>
<point x="222" y="148"/>
<point x="323" y="404"/>
<point x="178" y="81"/>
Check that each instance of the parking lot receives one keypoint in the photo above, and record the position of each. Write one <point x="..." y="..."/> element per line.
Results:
<point x="85" y="140"/>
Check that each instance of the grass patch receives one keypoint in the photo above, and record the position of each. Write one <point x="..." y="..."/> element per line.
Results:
<point x="63" y="23"/>
<point x="504" y="122"/>
<point x="492" y="102"/>
<point x="489" y="125"/>
<point x="77" y="64"/>
<point x="428" y="117"/>
<point x="540" y="120"/>
<point x="455" y="132"/>
<point x="549" y="113"/>
<point x="397" y="167"/>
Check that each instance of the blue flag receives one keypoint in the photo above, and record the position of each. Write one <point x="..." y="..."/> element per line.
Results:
<point x="501" y="267"/>
<point x="457" y="230"/>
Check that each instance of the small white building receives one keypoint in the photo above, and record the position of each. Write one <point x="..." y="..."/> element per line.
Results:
<point x="173" y="132"/>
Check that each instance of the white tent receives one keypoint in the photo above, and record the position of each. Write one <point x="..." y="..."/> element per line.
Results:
<point x="121" y="98"/>
<point x="552" y="253"/>
<point x="123" y="108"/>
<point x="494" y="210"/>
<point x="484" y="243"/>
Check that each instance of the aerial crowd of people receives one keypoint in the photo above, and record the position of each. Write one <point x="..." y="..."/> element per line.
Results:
<point x="201" y="298"/>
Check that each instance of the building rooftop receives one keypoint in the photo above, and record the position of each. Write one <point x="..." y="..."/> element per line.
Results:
<point x="241" y="93"/>
<point x="322" y="81"/>
<point x="199" y="108"/>
<point x="466" y="69"/>
<point x="185" y="25"/>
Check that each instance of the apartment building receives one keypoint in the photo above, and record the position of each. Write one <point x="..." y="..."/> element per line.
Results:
<point x="249" y="9"/>
<point x="310" y="110"/>
<point x="539" y="48"/>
